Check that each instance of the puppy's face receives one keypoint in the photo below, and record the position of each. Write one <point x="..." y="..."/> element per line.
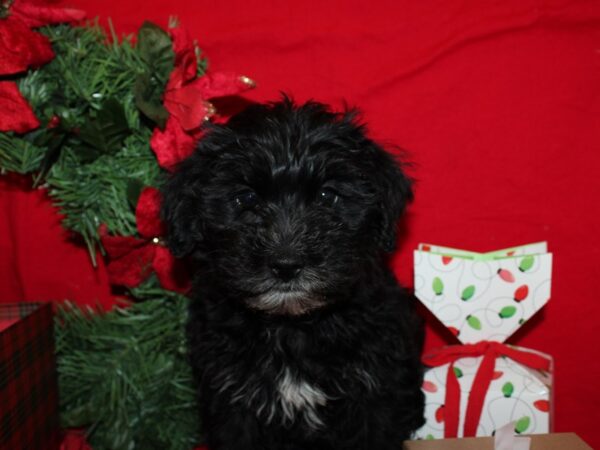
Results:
<point x="286" y="207"/>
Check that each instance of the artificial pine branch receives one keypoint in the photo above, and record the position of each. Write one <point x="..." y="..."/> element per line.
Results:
<point x="19" y="155"/>
<point x="124" y="374"/>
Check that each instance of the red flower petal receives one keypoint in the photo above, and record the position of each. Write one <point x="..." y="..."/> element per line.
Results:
<point x="497" y="374"/>
<point x="185" y="58"/>
<point x="147" y="213"/>
<point x="130" y="259"/>
<point x="35" y="16"/>
<point x="74" y="440"/>
<point x="172" y="144"/>
<point x="184" y="71"/>
<point x="15" y="112"/>
<point x="186" y="101"/>
<point x="21" y="48"/>
<point x="119" y="246"/>
<point x="221" y="84"/>
<point x="171" y="273"/>
<point x="188" y="106"/>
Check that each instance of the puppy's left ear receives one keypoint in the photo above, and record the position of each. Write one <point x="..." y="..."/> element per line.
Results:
<point x="180" y="215"/>
<point x="396" y="192"/>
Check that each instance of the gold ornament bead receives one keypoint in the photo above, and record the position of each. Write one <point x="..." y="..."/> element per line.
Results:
<point x="210" y="110"/>
<point x="248" y="81"/>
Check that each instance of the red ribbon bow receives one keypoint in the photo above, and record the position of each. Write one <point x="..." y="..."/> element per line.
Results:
<point x="490" y="351"/>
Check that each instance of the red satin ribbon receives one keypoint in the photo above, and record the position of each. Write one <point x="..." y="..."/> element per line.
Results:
<point x="490" y="351"/>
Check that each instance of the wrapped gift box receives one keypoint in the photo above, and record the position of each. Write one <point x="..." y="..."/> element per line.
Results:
<point x="28" y="381"/>
<point x="516" y="393"/>
<point x="482" y="299"/>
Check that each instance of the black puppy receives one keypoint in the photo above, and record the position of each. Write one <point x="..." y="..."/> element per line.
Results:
<point x="300" y="337"/>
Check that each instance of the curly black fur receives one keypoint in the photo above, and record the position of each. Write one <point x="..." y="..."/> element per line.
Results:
<point x="299" y="334"/>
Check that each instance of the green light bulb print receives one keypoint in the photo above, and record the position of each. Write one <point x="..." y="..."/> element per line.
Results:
<point x="474" y="322"/>
<point x="522" y="424"/>
<point x="438" y="286"/>
<point x="507" y="312"/>
<point x="508" y="389"/>
<point x="526" y="263"/>
<point x="467" y="293"/>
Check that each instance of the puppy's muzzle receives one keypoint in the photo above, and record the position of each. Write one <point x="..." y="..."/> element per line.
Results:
<point x="286" y="303"/>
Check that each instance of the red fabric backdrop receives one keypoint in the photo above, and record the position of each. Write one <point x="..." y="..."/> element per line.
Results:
<point x="497" y="102"/>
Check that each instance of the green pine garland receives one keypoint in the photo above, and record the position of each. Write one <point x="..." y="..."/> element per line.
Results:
<point x="123" y="374"/>
<point x="106" y="98"/>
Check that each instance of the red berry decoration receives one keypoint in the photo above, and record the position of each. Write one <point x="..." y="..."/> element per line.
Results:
<point x="439" y="414"/>
<point x="542" y="405"/>
<point x="446" y="260"/>
<point x="521" y="293"/>
<point x="497" y="374"/>
<point x="426" y="248"/>
<point x="428" y="386"/>
<point x="506" y="275"/>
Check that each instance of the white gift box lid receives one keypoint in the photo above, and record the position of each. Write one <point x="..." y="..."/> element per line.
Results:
<point x="483" y="296"/>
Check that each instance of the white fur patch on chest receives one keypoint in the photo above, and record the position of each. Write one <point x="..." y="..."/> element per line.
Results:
<point x="297" y="397"/>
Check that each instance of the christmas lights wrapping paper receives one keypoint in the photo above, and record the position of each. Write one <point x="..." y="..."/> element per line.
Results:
<point x="516" y="393"/>
<point x="482" y="298"/>
<point x="28" y="380"/>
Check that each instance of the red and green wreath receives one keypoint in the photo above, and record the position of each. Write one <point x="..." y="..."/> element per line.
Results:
<point x="99" y="122"/>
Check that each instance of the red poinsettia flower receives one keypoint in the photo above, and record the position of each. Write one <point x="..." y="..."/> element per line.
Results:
<point x="187" y="100"/>
<point x="39" y="13"/>
<point x="15" y="112"/>
<point x="132" y="260"/>
<point x="74" y="439"/>
<point x="172" y="144"/>
<point x="22" y="49"/>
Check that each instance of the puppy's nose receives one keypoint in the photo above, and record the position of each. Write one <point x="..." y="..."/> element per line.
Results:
<point x="286" y="267"/>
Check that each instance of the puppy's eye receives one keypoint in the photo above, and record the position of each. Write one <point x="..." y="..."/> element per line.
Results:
<point x="327" y="197"/>
<point x="246" y="200"/>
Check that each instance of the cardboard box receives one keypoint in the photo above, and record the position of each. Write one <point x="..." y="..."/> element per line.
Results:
<point x="557" y="441"/>
<point x="28" y="379"/>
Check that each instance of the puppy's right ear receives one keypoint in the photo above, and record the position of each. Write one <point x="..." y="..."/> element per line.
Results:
<point x="397" y="192"/>
<point x="180" y="215"/>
